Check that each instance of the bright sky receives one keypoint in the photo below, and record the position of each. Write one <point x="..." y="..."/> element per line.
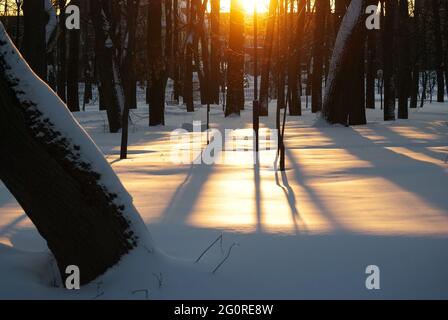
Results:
<point x="262" y="5"/>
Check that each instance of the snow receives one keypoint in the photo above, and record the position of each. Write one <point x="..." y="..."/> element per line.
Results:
<point x="351" y="197"/>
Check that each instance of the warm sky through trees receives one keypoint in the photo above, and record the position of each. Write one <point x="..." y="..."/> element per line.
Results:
<point x="189" y="149"/>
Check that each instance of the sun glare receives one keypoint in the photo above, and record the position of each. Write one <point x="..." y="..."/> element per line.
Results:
<point x="248" y="5"/>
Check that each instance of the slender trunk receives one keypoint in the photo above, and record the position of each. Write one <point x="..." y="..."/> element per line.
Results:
<point x="215" y="59"/>
<point x="129" y="67"/>
<point x="318" y="47"/>
<point x="388" y="61"/>
<point x="157" y="74"/>
<point x="267" y="59"/>
<point x="73" y="68"/>
<point x="371" y="70"/>
<point x="62" y="65"/>
<point x="403" y="61"/>
<point x="235" y="73"/>
<point x="438" y="50"/>
<point x="294" y="76"/>
<point x="188" y="59"/>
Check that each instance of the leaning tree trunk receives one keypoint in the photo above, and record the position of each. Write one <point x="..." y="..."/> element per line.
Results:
<point x="346" y="69"/>
<point x="235" y="72"/>
<point x="59" y="176"/>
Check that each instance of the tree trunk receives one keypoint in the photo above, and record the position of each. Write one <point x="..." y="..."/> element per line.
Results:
<point x="157" y="76"/>
<point x="267" y="59"/>
<point x="111" y="92"/>
<point x="215" y="59"/>
<point x="403" y="61"/>
<point x="188" y="59"/>
<point x="371" y="70"/>
<point x="235" y="73"/>
<point x="129" y="72"/>
<point x="73" y="68"/>
<point x="282" y="40"/>
<point x="438" y="50"/>
<point x="62" y="65"/>
<point x="295" y="70"/>
<point x="66" y="188"/>
<point x="318" y="47"/>
<point x="388" y="61"/>
<point x="347" y="70"/>
<point x="34" y="36"/>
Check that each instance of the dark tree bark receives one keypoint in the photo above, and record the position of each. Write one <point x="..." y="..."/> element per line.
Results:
<point x="157" y="73"/>
<point x="318" y="55"/>
<point x="416" y="53"/>
<point x="128" y="67"/>
<point x="215" y="59"/>
<point x="111" y="94"/>
<point x="282" y="46"/>
<point x="176" y="67"/>
<point x="388" y="60"/>
<point x="34" y="42"/>
<point x="73" y="67"/>
<point x="58" y="187"/>
<point x="62" y="54"/>
<point x="267" y="59"/>
<point x="371" y="70"/>
<point x="188" y="58"/>
<point x="235" y="73"/>
<point x="129" y="72"/>
<point x="295" y="60"/>
<point x="439" y="50"/>
<point x="403" y="61"/>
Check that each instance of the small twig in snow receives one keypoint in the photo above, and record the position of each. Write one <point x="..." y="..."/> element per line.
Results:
<point x="159" y="278"/>
<point x="226" y="257"/>
<point x="209" y="247"/>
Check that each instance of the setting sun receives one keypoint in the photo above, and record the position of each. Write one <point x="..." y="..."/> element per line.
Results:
<point x="248" y="5"/>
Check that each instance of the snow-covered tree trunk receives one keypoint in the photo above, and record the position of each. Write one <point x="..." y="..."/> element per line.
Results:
<point x="59" y="176"/>
<point x="344" y="70"/>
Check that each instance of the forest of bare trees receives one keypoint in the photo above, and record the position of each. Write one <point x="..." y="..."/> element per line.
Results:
<point x="192" y="44"/>
<point x="315" y="55"/>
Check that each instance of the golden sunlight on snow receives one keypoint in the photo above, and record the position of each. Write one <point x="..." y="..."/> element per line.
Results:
<point x="363" y="180"/>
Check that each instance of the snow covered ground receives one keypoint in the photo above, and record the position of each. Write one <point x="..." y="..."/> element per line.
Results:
<point x="351" y="197"/>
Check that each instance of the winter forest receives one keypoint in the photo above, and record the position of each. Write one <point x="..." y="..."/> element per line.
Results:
<point x="223" y="149"/>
